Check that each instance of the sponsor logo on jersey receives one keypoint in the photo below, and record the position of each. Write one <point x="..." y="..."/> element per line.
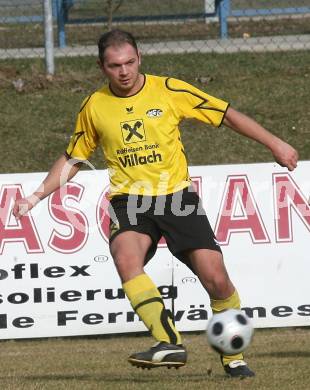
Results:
<point x="132" y="160"/>
<point x="154" y="113"/>
<point x="129" y="110"/>
<point x="133" y="131"/>
<point x="137" y="149"/>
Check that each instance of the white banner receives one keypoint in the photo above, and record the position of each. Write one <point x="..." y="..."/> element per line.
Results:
<point x="57" y="277"/>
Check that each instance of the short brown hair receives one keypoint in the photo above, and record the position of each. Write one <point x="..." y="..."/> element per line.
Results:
<point x="115" y="38"/>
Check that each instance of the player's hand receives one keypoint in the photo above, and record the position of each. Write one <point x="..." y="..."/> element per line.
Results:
<point x="285" y="155"/>
<point x="23" y="205"/>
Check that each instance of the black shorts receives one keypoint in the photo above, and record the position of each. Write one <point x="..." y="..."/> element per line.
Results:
<point x="178" y="217"/>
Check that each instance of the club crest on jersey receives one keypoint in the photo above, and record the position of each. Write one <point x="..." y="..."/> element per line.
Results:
<point x="133" y="131"/>
<point x="154" y="113"/>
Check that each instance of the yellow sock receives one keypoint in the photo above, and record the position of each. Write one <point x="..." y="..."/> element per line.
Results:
<point x="148" y="304"/>
<point x="232" y="302"/>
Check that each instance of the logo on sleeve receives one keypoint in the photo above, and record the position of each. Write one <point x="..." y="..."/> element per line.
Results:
<point x="133" y="131"/>
<point x="154" y="113"/>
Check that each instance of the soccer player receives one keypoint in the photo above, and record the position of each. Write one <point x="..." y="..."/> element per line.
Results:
<point x="135" y="119"/>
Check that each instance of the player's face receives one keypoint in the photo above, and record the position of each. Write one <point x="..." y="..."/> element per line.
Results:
<point x="121" y="67"/>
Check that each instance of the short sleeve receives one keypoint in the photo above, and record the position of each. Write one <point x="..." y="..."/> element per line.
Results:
<point x="85" y="138"/>
<point x="191" y="102"/>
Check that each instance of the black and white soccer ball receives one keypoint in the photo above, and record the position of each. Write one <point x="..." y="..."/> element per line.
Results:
<point x="230" y="332"/>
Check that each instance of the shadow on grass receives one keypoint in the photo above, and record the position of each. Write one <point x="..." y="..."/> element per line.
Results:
<point x="111" y="378"/>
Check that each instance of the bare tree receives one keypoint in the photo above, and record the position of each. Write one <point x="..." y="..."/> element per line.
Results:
<point x="111" y="6"/>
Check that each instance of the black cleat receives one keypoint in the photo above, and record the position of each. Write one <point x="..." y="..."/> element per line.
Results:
<point x="162" y="354"/>
<point x="238" y="369"/>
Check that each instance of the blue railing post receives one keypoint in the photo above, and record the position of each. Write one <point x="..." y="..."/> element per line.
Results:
<point x="224" y="12"/>
<point x="54" y="8"/>
<point x="61" y="24"/>
<point x="67" y="4"/>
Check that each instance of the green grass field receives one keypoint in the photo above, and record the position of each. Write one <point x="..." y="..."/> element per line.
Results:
<point x="271" y="87"/>
<point x="279" y="357"/>
<point x="32" y="35"/>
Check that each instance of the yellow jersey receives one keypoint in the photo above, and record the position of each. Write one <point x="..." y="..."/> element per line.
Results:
<point x="140" y="135"/>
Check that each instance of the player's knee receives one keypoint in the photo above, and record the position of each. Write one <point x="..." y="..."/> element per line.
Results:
<point x="126" y="261"/>
<point x="221" y="282"/>
<point x="122" y="258"/>
<point x="221" y="286"/>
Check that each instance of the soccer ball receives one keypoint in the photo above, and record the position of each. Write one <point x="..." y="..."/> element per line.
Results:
<point x="229" y="332"/>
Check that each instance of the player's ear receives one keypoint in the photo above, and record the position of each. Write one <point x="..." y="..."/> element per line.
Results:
<point x="100" y="65"/>
<point x="139" y="57"/>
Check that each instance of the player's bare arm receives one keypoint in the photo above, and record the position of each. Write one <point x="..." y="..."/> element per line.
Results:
<point x="283" y="153"/>
<point x="62" y="171"/>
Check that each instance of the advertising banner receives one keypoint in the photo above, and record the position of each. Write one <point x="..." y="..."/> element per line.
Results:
<point x="57" y="276"/>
